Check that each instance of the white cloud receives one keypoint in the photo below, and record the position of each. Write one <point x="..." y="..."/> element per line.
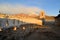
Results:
<point x="14" y="9"/>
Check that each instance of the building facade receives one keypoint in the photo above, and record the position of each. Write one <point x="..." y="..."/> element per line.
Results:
<point x="57" y="20"/>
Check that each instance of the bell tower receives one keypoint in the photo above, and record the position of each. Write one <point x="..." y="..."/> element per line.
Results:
<point x="42" y="14"/>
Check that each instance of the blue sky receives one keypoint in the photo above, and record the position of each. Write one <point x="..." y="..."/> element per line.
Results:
<point x="51" y="7"/>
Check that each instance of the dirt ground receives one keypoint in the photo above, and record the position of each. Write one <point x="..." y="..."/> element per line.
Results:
<point x="31" y="33"/>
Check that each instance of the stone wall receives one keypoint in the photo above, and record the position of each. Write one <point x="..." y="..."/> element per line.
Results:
<point x="57" y="20"/>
